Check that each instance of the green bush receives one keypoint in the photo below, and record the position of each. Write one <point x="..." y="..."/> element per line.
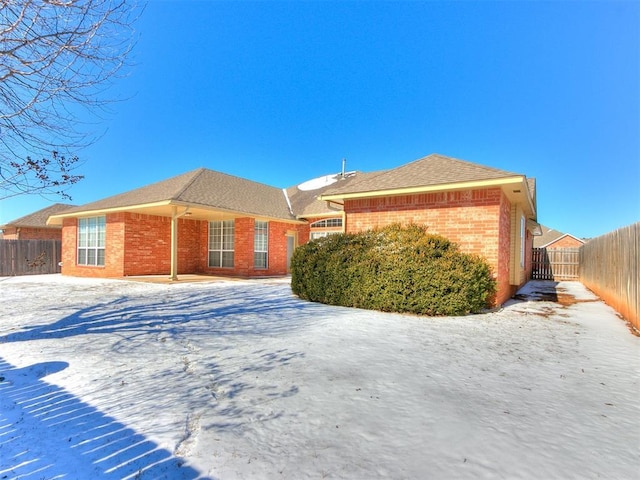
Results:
<point x="393" y="269"/>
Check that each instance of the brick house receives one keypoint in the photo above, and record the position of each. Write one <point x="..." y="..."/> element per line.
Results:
<point x="34" y="226"/>
<point x="551" y="238"/>
<point x="209" y="222"/>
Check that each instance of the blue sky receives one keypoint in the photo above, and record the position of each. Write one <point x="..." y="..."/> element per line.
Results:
<point x="280" y="92"/>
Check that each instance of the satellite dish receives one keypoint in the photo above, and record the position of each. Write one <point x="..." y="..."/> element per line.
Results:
<point x="319" y="182"/>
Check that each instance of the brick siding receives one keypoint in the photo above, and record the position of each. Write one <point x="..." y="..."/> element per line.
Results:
<point x="243" y="255"/>
<point x="32" y="233"/>
<point x="480" y="221"/>
<point x="566" y="242"/>
<point x="137" y="244"/>
<point x="477" y="220"/>
<point x="504" y="289"/>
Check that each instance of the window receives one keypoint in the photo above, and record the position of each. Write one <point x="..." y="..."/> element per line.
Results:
<point x="260" y="244"/>
<point x="91" y="239"/>
<point x="315" y="235"/>
<point x="331" y="223"/>
<point x="221" y="243"/>
<point x="326" y="223"/>
<point x="523" y="237"/>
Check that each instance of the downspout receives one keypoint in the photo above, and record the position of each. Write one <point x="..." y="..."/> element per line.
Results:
<point x="174" y="240"/>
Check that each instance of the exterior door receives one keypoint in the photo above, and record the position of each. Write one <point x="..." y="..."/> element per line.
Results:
<point x="291" y="245"/>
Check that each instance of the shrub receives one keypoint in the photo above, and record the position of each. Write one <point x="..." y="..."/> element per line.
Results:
<point x="393" y="269"/>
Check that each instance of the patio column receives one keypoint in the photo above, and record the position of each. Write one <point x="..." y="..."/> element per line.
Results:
<point x="174" y="243"/>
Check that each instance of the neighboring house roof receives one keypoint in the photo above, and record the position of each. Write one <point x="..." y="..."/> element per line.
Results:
<point x="550" y="236"/>
<point x="201" y="190"/>
<point x="38" y="219"/>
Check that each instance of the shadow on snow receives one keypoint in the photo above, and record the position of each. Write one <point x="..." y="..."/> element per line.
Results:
<point x="237" y="310"/>
<point x="46" y="432"/>
<point x="220" y="380"/>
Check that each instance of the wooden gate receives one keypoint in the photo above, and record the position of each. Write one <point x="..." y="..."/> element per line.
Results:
<point x="29" y="257"/>
<point x="555" y="263"/>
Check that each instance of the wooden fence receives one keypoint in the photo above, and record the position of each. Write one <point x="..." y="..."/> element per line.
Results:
<point x="609" y="268"/>
<point x="555" y="263"/>
<point x="29" y="257"/>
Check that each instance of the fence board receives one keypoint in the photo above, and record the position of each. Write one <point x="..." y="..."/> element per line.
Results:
<point x="555" y="263"/>
<point x="609" y="266"/>
<point x="29" y="257"/>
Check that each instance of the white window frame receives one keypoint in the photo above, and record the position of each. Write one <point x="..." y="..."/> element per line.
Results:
<point x="316" y="235"/>
<point x="318" y="229"/>
<point x="91" y="241"/>
<point x="334" y="222"/>
<point x="523" y="237"/>
<point x="221" y="244"/>
<point x="261" y="245"/>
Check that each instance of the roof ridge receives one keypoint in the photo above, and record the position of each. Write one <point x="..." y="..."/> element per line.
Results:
<point x="197" y="172"/>
<point x="432" y="169"/>
<point x="244" y="179"/>
<point x="466" y="162"/>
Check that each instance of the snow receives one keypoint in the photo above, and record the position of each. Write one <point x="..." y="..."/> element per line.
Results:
<point x="242" y="380"/>
<point x="316" y="183"/>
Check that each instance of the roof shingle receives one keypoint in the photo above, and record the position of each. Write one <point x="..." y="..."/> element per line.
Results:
<point x="205" y="188"/>
<point x="216" y="190"/>
<point x="39" y="219"/>
<point x="433" y="169"/>
<point x="306" y="203"/>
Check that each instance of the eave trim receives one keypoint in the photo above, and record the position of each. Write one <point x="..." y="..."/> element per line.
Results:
<point x="426" y="188"/>
<point x="53" y="219"/>
<point x="57" y="219"/>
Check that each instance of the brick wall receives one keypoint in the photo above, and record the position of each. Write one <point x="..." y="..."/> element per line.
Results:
<point x="243" y="255"/>
<point x="469" y="218"/>
<point x="32" y="233"/>
<point x="504" y="289"/>
<point x="480" y="221"/>
<point x="137" y="244"/>
<point x="114" y="239"/>
<point x="477" y="220"/>
<point x="566" y="242"/>
<point x="304" y="233"/>
<point x="148" y="244"/>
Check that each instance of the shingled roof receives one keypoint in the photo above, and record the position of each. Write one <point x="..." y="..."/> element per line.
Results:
<point x="306" y="203"/>
<point x="38" y="219"/>
<point x="549" y="235"/>
<point x="433" y="169"/>
<point x="219" y="190"/>
<point x="209" y="190"/>
<point x="202" y="188"/>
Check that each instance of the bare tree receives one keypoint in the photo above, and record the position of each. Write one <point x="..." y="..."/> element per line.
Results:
<point x="57" y="59"/>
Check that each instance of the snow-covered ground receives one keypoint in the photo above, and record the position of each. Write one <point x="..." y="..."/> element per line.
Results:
<point x="110" y="379"/>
